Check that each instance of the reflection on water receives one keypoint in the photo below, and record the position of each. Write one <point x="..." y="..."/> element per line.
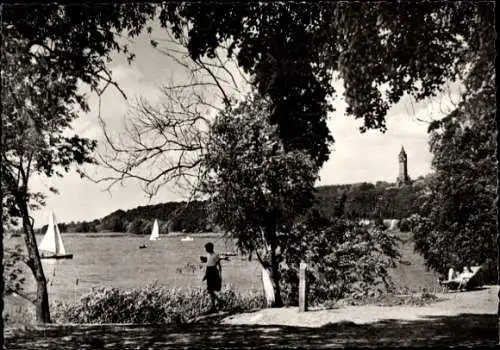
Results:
<point x="115" y="260"/>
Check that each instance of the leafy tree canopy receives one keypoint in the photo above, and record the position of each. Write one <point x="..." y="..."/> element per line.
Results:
<point x="48" y="51"/>
<point x="458" y="224"/>
<point x="293" y="50"/>
<point x="252" y="181"/>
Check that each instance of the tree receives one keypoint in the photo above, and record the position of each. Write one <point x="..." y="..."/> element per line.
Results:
<point x="457" y="223"/>
<point x="256" y="187"/>
<point x="271" y="43"/>
<point x="165" y="142"/>
<point x="293" y="51"/>
<point x="47" y="52"/>
<point x="457" y="220"/>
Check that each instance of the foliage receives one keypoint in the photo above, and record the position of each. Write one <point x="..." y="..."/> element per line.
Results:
<point x="256" y="187"/>
<point x="457" y="223"/>
<point x="113" y="223"/>
<point x="293" y="51"/>
<point x="152" y="304"/>
<point x="42" y="70"/>
<point x="405" y="225"/>
<point x="393" y="299"/>
<point x="357" y="201"/>
<point x="135" y="227"/>
<point x="344" y="259"/>
<point x="279" y="62"/>
<point x="48" y="51"/>
<point x="252" y="180"/>
<point x="367" y="201"/>
<point x="12" y="272"/>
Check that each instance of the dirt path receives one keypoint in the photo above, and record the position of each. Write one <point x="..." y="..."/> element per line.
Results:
<point x="482" y="301"/>
<point x="466" y="319"/>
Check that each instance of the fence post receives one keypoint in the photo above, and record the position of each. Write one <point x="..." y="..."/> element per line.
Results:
<point x="302" y="287"/>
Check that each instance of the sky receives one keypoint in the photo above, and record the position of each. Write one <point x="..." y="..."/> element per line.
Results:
<point x="355" y="156"/>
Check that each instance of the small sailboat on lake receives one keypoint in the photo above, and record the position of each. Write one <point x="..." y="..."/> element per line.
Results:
<point x="52" y="246"/>
<point x="187" y="239"/>
<point x="155" y="233"/>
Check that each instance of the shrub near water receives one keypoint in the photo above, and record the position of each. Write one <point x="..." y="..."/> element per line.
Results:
<point x="344" y="260"/>
<point x="152" y="304"/>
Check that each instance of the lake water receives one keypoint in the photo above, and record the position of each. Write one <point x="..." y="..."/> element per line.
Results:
<point x="115" y="260"/>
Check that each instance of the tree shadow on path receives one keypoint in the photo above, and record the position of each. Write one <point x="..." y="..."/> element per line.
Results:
<point x="464" y="329"/>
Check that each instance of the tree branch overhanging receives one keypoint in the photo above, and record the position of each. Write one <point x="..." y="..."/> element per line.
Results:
<point x="165" y="143"/>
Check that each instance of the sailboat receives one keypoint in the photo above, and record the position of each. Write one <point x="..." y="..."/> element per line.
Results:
<point x="52" y="246"/>
<point x="155" y="233"/>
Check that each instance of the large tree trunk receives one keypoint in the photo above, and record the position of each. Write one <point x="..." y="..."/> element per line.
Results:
<point x="275" y="278"/>
<point x="272" y="289"/>
<point x="274" y="268"/>
<point x="267" y="284"/>
<point x="35" y="264"/>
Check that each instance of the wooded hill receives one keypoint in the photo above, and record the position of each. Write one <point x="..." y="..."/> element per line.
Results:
<point x="354" y="201"/>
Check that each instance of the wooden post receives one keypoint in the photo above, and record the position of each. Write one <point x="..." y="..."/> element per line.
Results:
<point x="302" y="287"/>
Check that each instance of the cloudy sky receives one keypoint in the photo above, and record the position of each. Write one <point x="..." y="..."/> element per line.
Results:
<point x="355" y="157"/>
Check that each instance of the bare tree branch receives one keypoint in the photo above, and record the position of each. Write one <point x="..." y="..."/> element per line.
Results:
<point x="165" y="143"/>
<point x="438" y="106"/>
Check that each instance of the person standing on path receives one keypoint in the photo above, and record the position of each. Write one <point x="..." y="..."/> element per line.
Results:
<point x="213" y="275"/>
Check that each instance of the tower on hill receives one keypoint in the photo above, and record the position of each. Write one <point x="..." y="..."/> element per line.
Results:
<point x="403" y="178"/>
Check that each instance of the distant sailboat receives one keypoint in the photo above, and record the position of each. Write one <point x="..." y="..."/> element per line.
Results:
<point x="186" y="239"/>
<point x="52" y="246"/>
<point x="155" y="233"/>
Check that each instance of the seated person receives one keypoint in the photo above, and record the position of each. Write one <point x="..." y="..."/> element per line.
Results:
<point x="452" y="274"/>
<point x="466" y="273"/>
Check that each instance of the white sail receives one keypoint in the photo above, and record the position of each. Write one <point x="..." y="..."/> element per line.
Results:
<point x="52" y="241"/>
<point x="155" y="234"/>
<point x="59" y="246"/>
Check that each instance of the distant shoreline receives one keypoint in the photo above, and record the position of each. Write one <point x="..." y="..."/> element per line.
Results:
<point x="127" y="234"/>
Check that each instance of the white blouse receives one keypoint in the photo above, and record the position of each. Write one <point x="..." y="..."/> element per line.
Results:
<point x="212" y="259"/>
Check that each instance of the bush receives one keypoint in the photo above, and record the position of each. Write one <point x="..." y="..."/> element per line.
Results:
<point x="344" y="260"/>
<point x="404" y="225"/>
<point x="441" y="250"/>
<point x="13" y="276"/>
<point x="164" y="227"/>
<point x="135" y="227"/>
<point x="393" y="299"/>
<point x="152" y="304"/>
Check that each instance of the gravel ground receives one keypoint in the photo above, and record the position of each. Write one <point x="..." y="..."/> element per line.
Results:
<point x="483" y="301"/>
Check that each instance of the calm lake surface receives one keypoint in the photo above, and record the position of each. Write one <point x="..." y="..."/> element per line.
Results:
<point x="115" y="260"/>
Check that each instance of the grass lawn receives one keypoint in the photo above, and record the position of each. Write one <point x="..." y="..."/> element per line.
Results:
<point x="411" y="272"/>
